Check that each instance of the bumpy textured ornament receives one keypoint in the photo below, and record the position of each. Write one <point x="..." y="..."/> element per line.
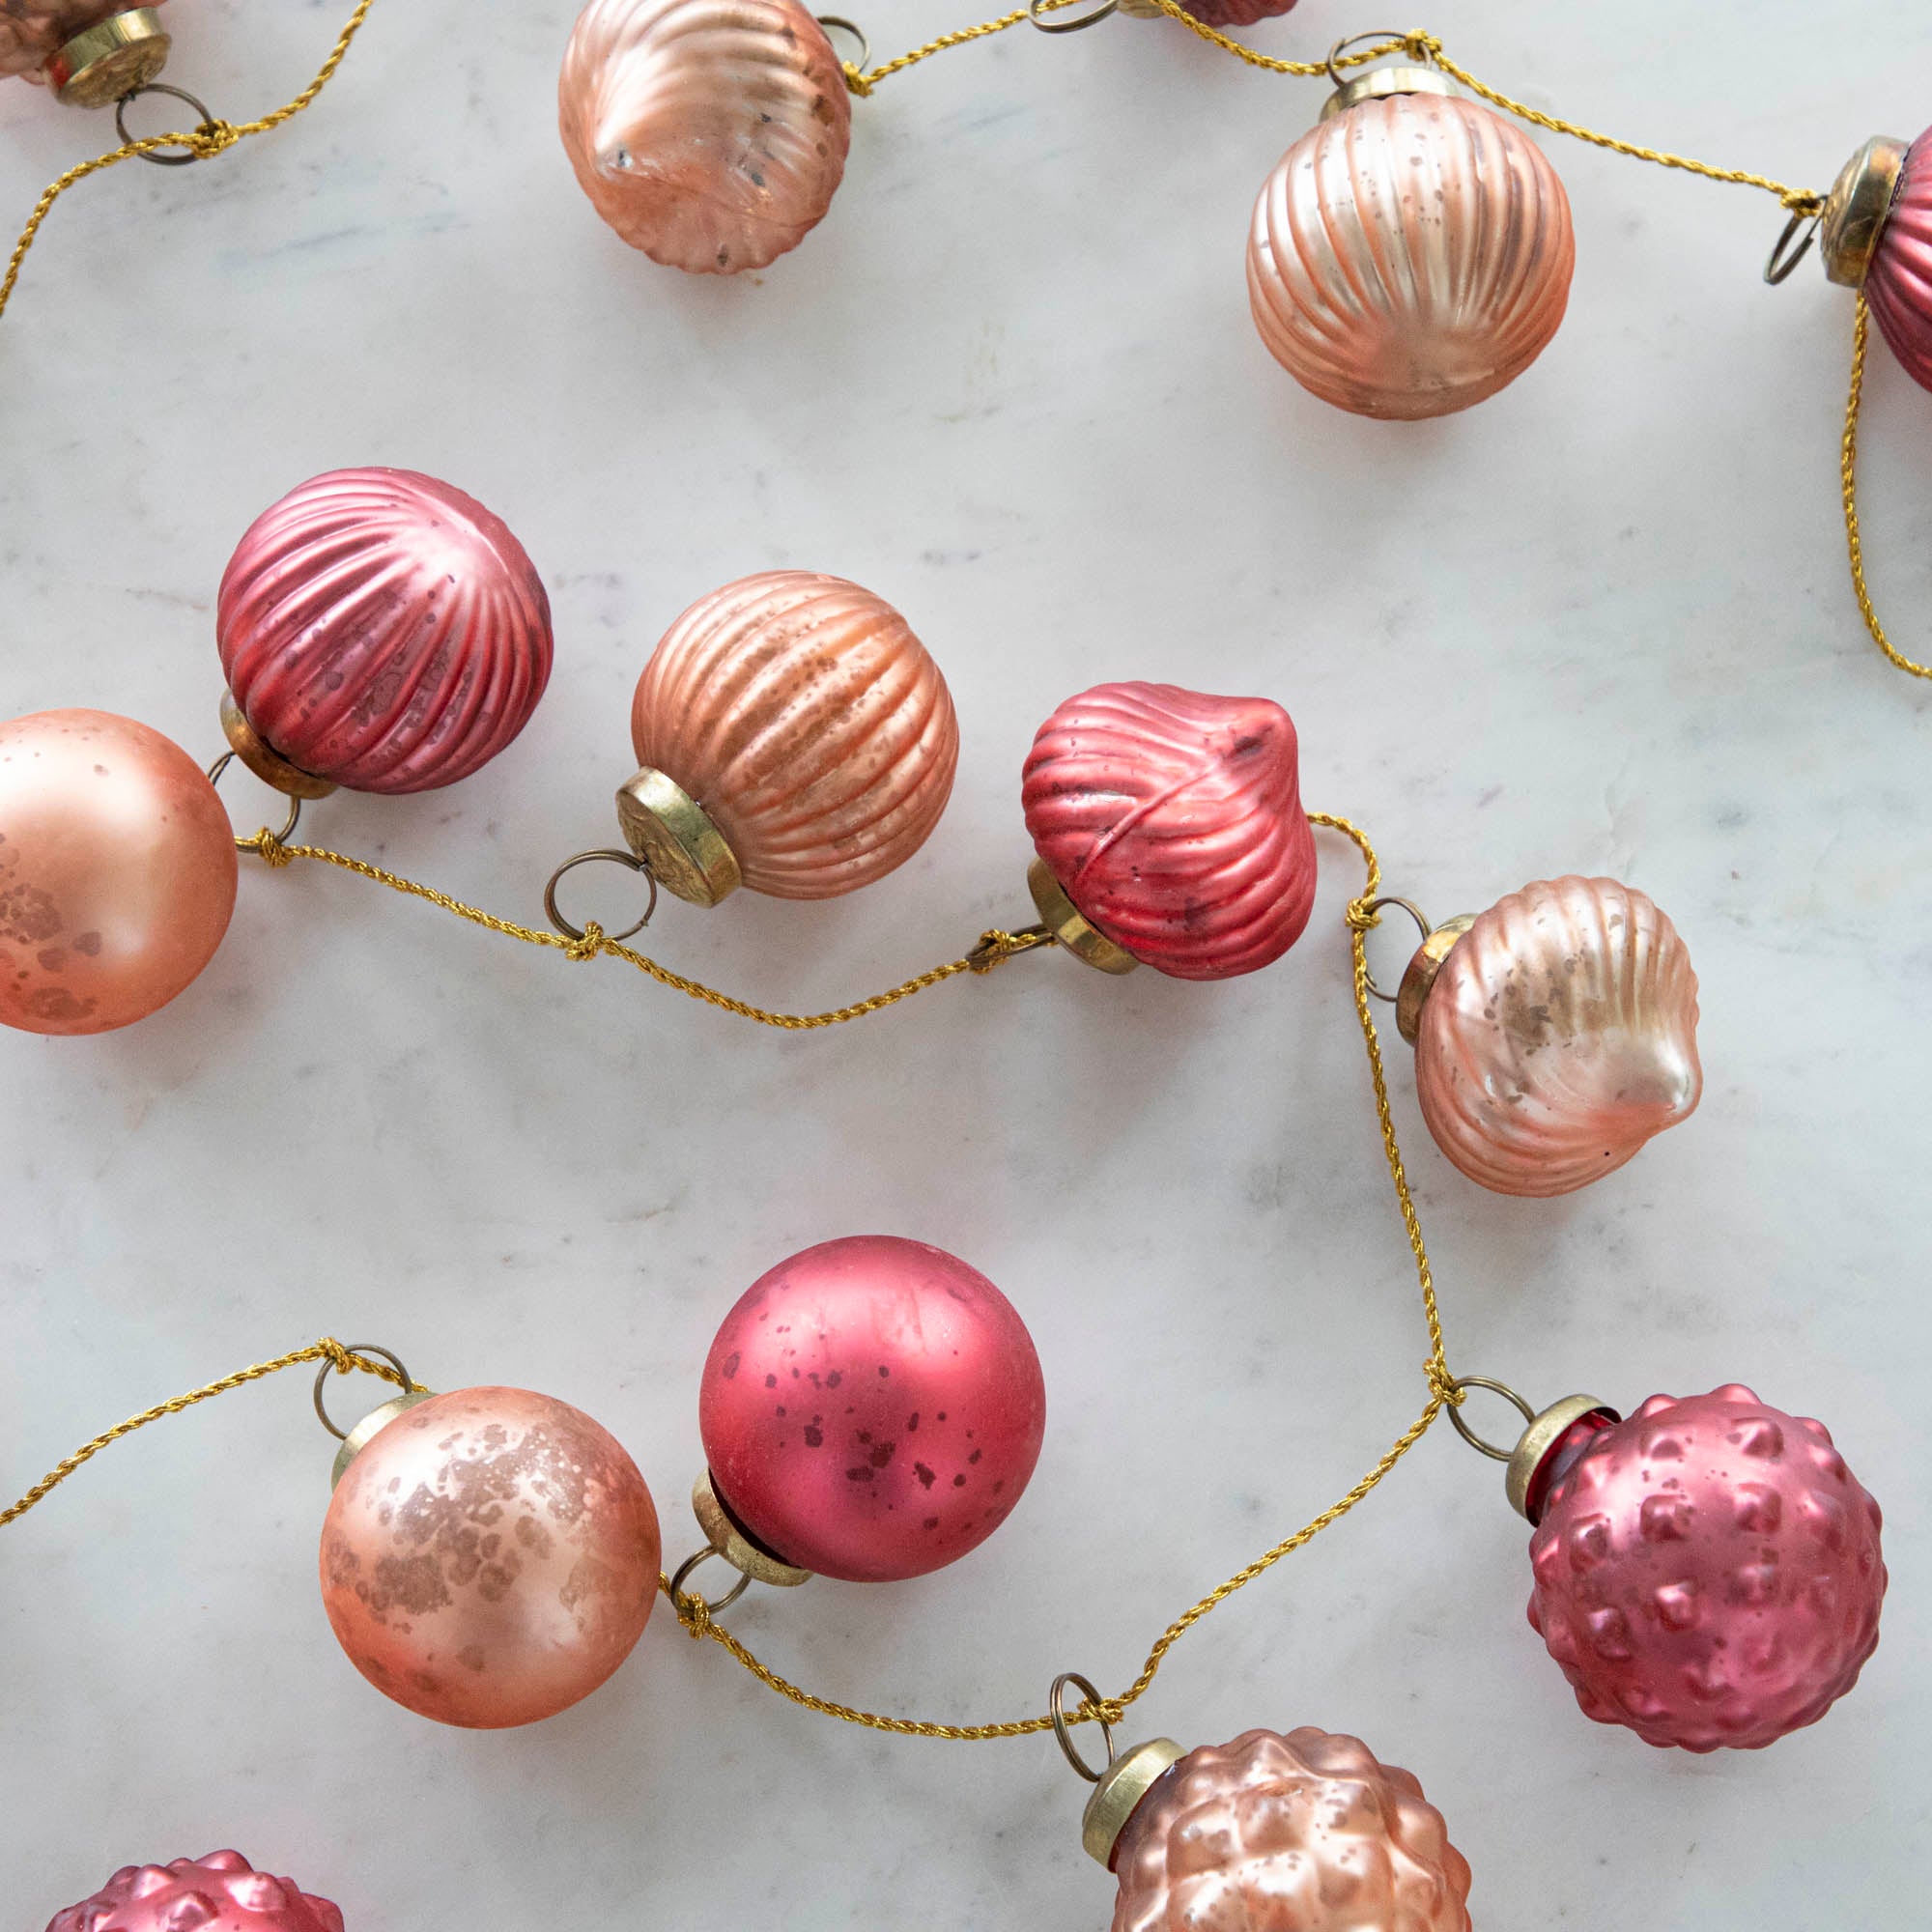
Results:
<point x="489" y="1556"/>
<point x="871" y="1410"/>
<point x="1412" y="254"/>
<point x="1876" y="234"/>
<point x="222" y="1892"/>
<point x="710" y="133"/>
<point x="1556" y="1035"/>
<point x="379" y="630"/>
<point x="89" y="51"/>
<point x="1172" y="822"/>
<point x="1708" y="1572"/>
<point x="1307" y="1833"/>
<point x="795" y="738"/>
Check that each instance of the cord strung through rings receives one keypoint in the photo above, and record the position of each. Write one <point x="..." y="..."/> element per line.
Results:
<point x="1374" y="906"/>
<point x="1468" y="1435"/>
<point x="1784" y="258"/>
<point x="1092" y="1704"/>
<point x="205" y="125"/>
<point x="329" y="1368"/>
<point x="679" y="1598"/>
<point x="1333" y="62"/>
<point x="253" y="844"/>
<point x="630" y="862"/>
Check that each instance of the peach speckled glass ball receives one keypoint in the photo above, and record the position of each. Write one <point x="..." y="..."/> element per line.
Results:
<point x="709" y="134"/>
<point x="116" y="872"/>
<point x="222" y="1892"/>
<point x="1410" y="256"/>
<point x="490" y="1557"/>
<point x="1306" y="1832"/>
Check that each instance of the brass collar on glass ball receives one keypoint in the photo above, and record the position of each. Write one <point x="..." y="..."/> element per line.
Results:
<point x="1543" y="1431"/>
<point x="264" y="760"/>
<point x="106" y="63"/>
<point x="1117" y="1795"/>
<point x="722" y="1531"/>
<point x="1419" y="975"/>
<point x="1855" y="212"/>
<point x="1069" y="925"/>
<point x="1380" y="82"/>
<point x="370" y="1426"/>
<point x="668" y="830"/>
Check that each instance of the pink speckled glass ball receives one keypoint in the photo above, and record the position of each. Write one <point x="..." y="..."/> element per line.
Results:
<point x="1898" y="284"/>
<point x="1410" y="256"/>
<point x="382" y="631"/>
<point x="116" y="872"/>
<point x="808" y="723"/>
<point x="1708" y="1572"/>
<point x="32" y="31"/>
<point x="711" y="134"/>
<point x="222" y="1892"/>
<point x="1172" y="820"/>
<point x="490" y="1557"/>
<point x="1306" y="1832"/>
<point x="871" y="1410"/>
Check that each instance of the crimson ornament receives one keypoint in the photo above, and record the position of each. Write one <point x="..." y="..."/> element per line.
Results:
<point x="222" y="1892"/>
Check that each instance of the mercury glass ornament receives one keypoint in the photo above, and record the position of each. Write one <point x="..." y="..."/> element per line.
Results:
<point x="1876" y="234"/>
<point x="91" y="52"/>
<point x="222" y="1892"/>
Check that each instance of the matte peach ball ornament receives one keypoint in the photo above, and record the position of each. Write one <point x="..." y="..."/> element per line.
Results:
<point x="221" y="1893"/>
<point x="90" y="52"/>
<point x="1412" y="254"/>
<point x="1169" y="829"/>
<point x="116" y="872"/>
<point x="489" y="1558"/>
<point x="711" y="134"/>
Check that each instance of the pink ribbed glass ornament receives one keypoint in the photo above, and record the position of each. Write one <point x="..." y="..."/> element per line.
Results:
<point x="807" y="724"/>
<point x="489" y="1556"/>
<point x="1898" y="283"/>
<point x="116" y="872"/>
<point x="1558" y="1036"/>
<point x="1306" y="1832"/>
<point x="33" y="31"/>
<point x="222" y="1892"/>
<point x="1172" y="822"/>
<point x="382" y="631"/>
<point x="1410" y="256"/>
<point x="871" y="1410"/>
<point x="1708" y="1572"/>
<point x="709" y="134"/>
<point x="1236" y="13"/>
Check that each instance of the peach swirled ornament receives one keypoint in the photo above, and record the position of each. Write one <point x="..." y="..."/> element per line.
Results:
<point x="794" y="736"/>
<point x="1554" y="1034"/>
<point x="711" y="134"/>
<point x="1412" y="254"/>
<point x="1169" y="830"/>
<point x="221" y="1893"/>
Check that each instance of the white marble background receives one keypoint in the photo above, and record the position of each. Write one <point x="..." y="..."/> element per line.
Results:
<point x="1600" y="623"/>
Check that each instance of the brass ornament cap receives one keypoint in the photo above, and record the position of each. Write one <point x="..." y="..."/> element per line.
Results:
<point x="1117" y="1795"/>
<point x="667" y="830"/>
<point x="264" y="760"/>
<point x="1069" y="925"/>
<point x="1419" y="974"/>
<point x="36" y="34"/>
<point x="1543" y="1432"/>
<point x="106" y="62"/>
<point x="370" y="1426"/>
<point x="723" y="1532"/>
<point x="1379" y="83"/>
<point x="1855" y="212"/>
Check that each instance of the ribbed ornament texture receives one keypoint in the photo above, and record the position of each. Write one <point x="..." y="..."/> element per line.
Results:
<point x="1410" y="256"/>
<point x="810" y="724"/>
<point x="383" y="630"/>
<point x="1899" y="283"/>
<point x="222" y="1892"/>
<point x="710" y="133"/>
<point x="33" y="30"/>
<point x="1559" y="1037"/>
<point x="1306" y="1832"/>
<point x="1172" y="822"/>
<point x="1708" y="1572"/>
<point x="1236" y="13"/>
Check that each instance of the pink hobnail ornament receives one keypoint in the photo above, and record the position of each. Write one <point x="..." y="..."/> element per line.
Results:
<point x="1172" y="821"/>
<point x="1708" y="1572"/>
<point x="221" y="1893"/>
<point x="710" y="133"/>
<point x="382" y="630"/>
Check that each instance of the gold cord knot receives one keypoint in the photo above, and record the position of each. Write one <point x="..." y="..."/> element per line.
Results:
<point x="1801" y="200"/>
<point x="211" y="138"/>
<point x="692" y="1612"/>
<point x="270" y="849"/>
<point x="855" y="80"/>
<point x="1421" y="46"/>
<point x="339" y="1357"/>
<point x="1442" y="1384"/>
<point x="590" y="944"/>
<point x="1362" y="916"/>
<point x="995" y="948"/>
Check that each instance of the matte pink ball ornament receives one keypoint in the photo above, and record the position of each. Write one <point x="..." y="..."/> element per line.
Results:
<point x="1876" y="235"/>
<point x="116" y="872"/>
<point x="1706" y="1573"/>
<point x="91" y="52"/>
<point x="380" y="630"/>
<point x="871" y="1410"/>
<point x="1170" y="831"/>
<point x="221" y="1893"/>
<point x="1412" y="254"/>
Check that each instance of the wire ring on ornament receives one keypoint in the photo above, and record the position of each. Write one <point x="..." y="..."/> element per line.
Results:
<point x="330" y="1367"/>
<point x="206" y="124"/>
<point x="683" y="1571"/>
<point x="1374" y="906"/>
<point x="837" y="22"/>
<point x="630" y="859"/>
<point x="253" y="843"/>
<point x="1409" y="42"/>
<point x="1063" y="1726"/>
<point x="1037" y="10"/>
<point x="1783" y="264"/>
<point x="1468" y="1435"/>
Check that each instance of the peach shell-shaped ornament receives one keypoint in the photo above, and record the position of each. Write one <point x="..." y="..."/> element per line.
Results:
<point x="91" y="52"/>
<point x="221" y="1893"/>
<point x="1875" y="233"/>
<point x="1555" y="1034"/>
<point x="794" y="736"/>
<point x="1169" y="830"/>
<point x="711" y="134"/>
<point x="1412" y="254"/>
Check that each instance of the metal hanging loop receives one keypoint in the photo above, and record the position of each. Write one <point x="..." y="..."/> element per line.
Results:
<point x="1784" y="258"/>
<point x="630" y="862"/>
<point x="327" y="1369"/>
<point x="288" y="824"/>
<point x="160" y="159"/>
<point x="1374" y="906"/>
<point x="1063" y="1726"/>
<point x="1383" y="33"/>
<point x="1467" y="1434"/>
<point x="691" y="1563"/>
<point x="839" y="23"/>
<point x="1036" y="11"/>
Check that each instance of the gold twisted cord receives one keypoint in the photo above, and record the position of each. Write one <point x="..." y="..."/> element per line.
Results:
<point x="995" y="948"/>
<point x="1848" y="471"/>
<point x="204" y="143"/>
<point x="327" y="1350"/>
<point x="695" y="1615"/>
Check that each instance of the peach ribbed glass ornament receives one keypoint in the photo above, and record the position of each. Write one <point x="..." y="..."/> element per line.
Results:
<point x="221" y="1893"/>
<point x="709" y="134"/>
<point x="116" y="872"/>
<point x="807" y="724"/>
<point x="1559" y="1035"/>
<point x="1410" y="255"/>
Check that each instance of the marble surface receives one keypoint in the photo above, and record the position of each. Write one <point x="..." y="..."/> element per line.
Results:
<point x="1599" y="624"/>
